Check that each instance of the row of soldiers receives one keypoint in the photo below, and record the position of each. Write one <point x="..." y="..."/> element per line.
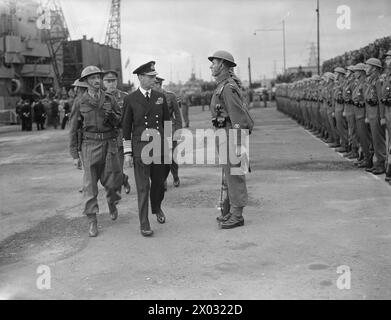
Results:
<point x="349" y="109"/>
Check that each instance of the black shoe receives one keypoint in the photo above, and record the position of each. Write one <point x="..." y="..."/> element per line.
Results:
<point x="377" y="171"/>
<point x="223" y="218"/>
<point x="114" y="214"/>
<point x="93" y="228"/>
<point x="146" y="233"/>
<point x="334" y="145"/>
<point x="160" y="217"/>
<point x="369" y="169"/>
<point x="232" y="222"/>
<point x="177" y="182"/>
<point x="365" y="164"/>
<point x="353" y="155"/>
<point x="127" y="186"/>
<point x="341" y="150"/>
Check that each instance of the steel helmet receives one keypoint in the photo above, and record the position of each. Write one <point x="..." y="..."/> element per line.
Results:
<point x="221" y="54"/>
<point x="329" y="75"/>
<point x="316" y="77"/>
<point x="80" y="84"/>
<point x="351" y="68"/>
<point x="388" y="53"/>
<point x="374" y="62"/>
<point x="340" y="70"/>
<point x="360" y="67"/>
<point x="88" y="71"/>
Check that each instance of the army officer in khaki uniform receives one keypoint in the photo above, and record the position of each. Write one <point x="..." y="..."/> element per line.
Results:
<point x="227" y="112"/>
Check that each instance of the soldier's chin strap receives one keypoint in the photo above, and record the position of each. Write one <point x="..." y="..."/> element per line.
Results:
<point x="220" y="68"/>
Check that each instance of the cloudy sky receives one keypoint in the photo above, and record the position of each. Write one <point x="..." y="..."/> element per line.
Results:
<point x="180" y="34"/>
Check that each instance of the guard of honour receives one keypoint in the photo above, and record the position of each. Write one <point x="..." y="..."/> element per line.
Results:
<point x="108" y="129"/>
<point x="349" y="109"/>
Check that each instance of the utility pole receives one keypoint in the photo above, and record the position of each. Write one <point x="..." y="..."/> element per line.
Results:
<point x="283" y="39"/>
<point x="283" y="44"/>
<point x="274" y="69"/>
<point x="317" y="16"/>
<point x="249" y="72"/>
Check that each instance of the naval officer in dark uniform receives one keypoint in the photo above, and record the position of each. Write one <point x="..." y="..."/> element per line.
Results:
<point x="145" y="113"/>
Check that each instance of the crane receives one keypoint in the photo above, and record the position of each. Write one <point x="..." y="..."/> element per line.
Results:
<point x="113" y="32"/>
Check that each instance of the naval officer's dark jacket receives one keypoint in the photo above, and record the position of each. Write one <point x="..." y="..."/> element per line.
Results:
<point x="140" y="115"/>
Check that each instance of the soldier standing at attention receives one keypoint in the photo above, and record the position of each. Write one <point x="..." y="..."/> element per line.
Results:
<point x="363" y="133"/>
<point x="145" y="113"/>
<point x="378" y="132"/>
<point x="110" y="83"/>
<point x="227" y="112"/>
<point x="349" y="112"/>
<point x="176" y="119"/>
<point x="338" y="101"/>
<point x="385" y="109"/>
<point x="98" y="115"/>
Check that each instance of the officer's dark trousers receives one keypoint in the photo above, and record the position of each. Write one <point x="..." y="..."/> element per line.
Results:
<point x="174" y="165"/>
<point x="378" y="136"/>
<point x="101" y="163"/>
<point x="150" y="180"/>
<point x="26" y="124"/>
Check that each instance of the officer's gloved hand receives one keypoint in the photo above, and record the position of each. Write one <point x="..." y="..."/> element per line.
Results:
<point x="333" y="115"/>
<point x="383" y="122"/>
<point x="343" y="114"/>
<point x="366" y="120"/>
<point x="77" y="163"/>
<point x="128" y="160"/>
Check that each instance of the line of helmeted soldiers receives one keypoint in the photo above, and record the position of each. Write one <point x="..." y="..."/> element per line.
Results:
<point x="349" y="109"/>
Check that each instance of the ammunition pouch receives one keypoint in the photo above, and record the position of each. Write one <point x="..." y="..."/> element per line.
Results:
<point x="386" y="102"/>
<point x="372" y="103"/>
<point x="219" y="122"/>
<point x="359" y="104"/>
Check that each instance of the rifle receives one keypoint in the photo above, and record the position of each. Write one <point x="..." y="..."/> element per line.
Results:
<point x="79" y="135"/>
<point x="223" y="206"/>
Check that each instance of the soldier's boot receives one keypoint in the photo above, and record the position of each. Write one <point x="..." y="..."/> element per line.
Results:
<point x="225" y="211"/>
<point x="113" y="211"/>
<point x="388" y="173"/>
<point x="93" y="225"/>
<point x="235" y="219"/>
<point x="366" y="163"/>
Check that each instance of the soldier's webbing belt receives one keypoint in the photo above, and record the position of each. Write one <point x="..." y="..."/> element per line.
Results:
<point x="100" y="135"/>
